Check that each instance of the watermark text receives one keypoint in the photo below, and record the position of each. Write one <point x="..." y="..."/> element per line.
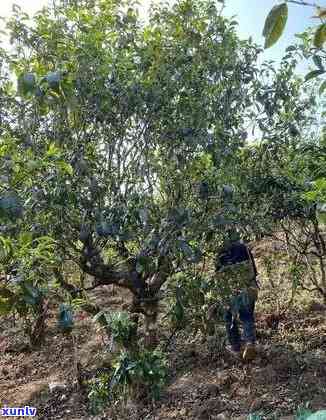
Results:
<point x="26" y="411"/>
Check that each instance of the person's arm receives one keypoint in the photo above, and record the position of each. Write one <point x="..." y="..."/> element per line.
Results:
<point x="218" y="264"/>
<point x="253" y="262"/>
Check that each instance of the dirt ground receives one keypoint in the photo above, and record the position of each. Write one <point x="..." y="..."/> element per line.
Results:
<point x="204" y="381"/>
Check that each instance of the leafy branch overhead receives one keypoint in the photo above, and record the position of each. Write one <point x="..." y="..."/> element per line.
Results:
<point x="274" y="27"/>
<point x="276" y="20"/>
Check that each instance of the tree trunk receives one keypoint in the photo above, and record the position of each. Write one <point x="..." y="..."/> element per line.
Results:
<point x="151" y="314"/>
<point x="38" y="329"/>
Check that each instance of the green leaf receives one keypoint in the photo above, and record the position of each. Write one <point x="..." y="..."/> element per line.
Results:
<point x="25" y="238"/>
<point x="65" y="167"/>
<point x="185" y="248"/>
<point x="31" y="295"/>
<point x="102" y="317"/>
<point x="5" y="248"/>
<point x="26" y="83"/>
<point x="291" y="48"/>
<point x="275" y="24"/>
<point x="322" y="87"/>
<point x="143" y="264"/>
<point x="32" y="165"/>
<point x="53" y="151"/>
<point x="313" y="74"/>
<point x="318" y="62"/>
<point x="311" y="195"/>
<point x="320" y="183"/>
<point x="53" y="78"/>
<point x="10" y="206"/>
<point x="320" y="36"/>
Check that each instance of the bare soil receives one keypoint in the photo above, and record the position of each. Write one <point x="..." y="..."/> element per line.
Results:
<point x="205" y="382"/>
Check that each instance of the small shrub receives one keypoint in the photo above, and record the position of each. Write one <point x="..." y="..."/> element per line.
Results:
<point x="119" y="325"/>
<point x="99" y="393"/>
<point x="304" y="414"/>
<point x="65" y="318"/>
<point x="254" y="417"/>
<point x="150" y="372"/>
<point x="141" y="375"/>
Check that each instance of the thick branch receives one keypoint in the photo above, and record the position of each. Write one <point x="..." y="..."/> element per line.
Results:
<point x="161" y="276"/>
<point x="104" y="274"/>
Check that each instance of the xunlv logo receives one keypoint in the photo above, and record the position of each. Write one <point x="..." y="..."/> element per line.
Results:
<point x="18" y="411"/>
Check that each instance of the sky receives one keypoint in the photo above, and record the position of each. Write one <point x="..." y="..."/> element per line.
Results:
<point x="250" y="15"/>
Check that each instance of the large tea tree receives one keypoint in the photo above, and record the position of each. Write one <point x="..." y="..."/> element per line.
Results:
<point x="108" y="127"/>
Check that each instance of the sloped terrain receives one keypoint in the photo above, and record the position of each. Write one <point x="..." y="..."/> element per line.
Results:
<point x="205" y="382"/>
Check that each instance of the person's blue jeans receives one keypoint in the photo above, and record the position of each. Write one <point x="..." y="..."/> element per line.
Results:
<point x="244" y="310"/>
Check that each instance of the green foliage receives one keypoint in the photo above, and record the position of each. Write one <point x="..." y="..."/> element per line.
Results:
<point x="123" y="368"/>
<point x="27" y="264"/>
<point x="322" y="88"/>
<point x="99" y="393"/>
<point x="177" y="313"/>
<point x="306" y="414"/>
<point x="183" y="292"/>
<point x="146" y="371"/>
<point x="143" y="374"/>
<point x="96" y="162"/>
<point x="23" y="299"/>
<point x="303" y="414"/>
<point x="10" y="206"/>
<point x="318" y="193"/>
<point x="119" y="324"/>
<point x="296" y="272"/>
<point x="7" y="301"/>
<point x="313" y="40"/>
<point x="320" y="36"/>
<point x="254" y="417"/>
<point x="276" y="22"/>
<point x="319" y="415"/>
<point x="26" y="83"/>
<point x="150" y="372"/>
<point x="313" y="74"/>
<point x="191" y="296"/>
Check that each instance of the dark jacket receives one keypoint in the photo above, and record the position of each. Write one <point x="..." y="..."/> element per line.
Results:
<point x="233" y="254"/>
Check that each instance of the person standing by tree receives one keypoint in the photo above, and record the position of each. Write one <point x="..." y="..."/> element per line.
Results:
<point x="237" y="283"/>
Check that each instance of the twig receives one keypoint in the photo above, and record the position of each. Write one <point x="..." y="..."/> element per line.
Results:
<point x="302" y="3"/>
<point x="170" y="338"/>
<point x="76" y="364"/>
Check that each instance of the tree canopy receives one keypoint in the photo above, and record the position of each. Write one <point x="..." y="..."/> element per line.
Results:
<point x="125" y="145"/>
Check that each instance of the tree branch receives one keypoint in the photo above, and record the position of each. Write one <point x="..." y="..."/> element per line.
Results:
<point x="104" y="274"/>
<point x="302" y="3"/>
